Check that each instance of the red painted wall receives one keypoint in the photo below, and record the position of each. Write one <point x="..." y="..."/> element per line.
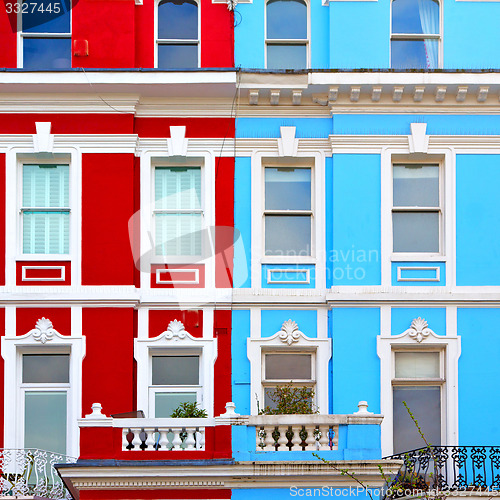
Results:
<point x="2" y="218"/>
<point x="195" y="127"/>
<point x="159" y="320"/>
<point x="68" y="123"/>
<point x="145" y="34"/>
<point x="107" y="205"/>
<point x="8" y="37"/>
<point x="217" y="35"/>
<point x="26" y="318"/>
<point x="224" y="222"/>
<point x="153" y="494"/>
<point x="108" y="365"/>
<point x="222" y="368"/>
<point x="108" y="26"/>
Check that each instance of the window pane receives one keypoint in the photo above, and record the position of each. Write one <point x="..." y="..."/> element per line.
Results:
<point x="268" y="392"/>
<point x="288" y="366"/>
<point x="178" y="234"/>
<point x="177" y="188"/>
<point x="47" y="16"/>
<point x="46" y="232"/>
<point x="417" y="365"/>
<point x="416" y="232"/>
<point x="46" y="186"/>
<point x="46" y="53"/>
<point x="286" y="56"/>
<point x="416" y="186"/>
<point x="166" y="403"/>
<point x="288" y="235"/>
<point x="288" y="188"/>
<point x="176" y="370"/>
<point x="45" y="421"/>
<point x="45" y="368"/>
<point x="415" y="16"/>
<point x="178" y="19"/>
<point x="286" y="19"/>
<point x="417" y="54"/>
<point x="425" y="404"/>
<point x="177" y="56"/>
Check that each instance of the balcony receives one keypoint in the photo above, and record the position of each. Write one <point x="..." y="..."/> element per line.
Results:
<point x="30" y="473"/>
<point x="448" y="468"/>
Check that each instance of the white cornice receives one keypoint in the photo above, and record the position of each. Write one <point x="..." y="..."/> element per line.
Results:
<point x="238" y="475"/>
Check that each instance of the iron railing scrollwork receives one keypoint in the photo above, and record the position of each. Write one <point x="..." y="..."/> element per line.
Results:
<point x="31" y="472"/>
<point x="447" y="468"/>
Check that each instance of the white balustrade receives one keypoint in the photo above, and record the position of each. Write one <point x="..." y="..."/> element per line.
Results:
<point x="163" y="434"/>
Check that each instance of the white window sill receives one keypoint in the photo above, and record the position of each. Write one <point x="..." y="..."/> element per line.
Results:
<point x="288" y="259"/>
<point x="44" y="257"/>
<point x="417" y="257"/>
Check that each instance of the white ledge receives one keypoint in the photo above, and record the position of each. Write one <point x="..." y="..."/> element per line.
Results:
<point x="314" y="419"/>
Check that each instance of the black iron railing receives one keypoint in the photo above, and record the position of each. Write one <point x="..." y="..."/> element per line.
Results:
<point x="474" y="468"/>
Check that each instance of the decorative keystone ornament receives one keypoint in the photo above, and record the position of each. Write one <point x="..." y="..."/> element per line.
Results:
<point x="43" y="331"/>
<point x="175" y="330"/>
<point x="289" y="332"/>
<point x="419" y="330"/>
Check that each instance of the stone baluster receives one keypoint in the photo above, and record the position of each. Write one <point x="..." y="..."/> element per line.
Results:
<point x="283" y="439"/>
<point x="296" y="439"/>
<point x="200" y="439"/>
<point x="269" y="440"/>
<point x="137" y="441"/>
<point x="150" y="438"/>
<point x="125" y="442"/>
<point x="310" y="439"/>
<point x="335" y="439"/>
<point x="177" y="440"/>
<point x="324" y="440"/>
<point x="190" y="441"/>
<point x="164" y="442"/>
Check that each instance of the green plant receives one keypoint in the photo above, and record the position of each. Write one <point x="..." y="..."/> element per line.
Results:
<point x="189" y="410"/>
<point x="291" y="400"/>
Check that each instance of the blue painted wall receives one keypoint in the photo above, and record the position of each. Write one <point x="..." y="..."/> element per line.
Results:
<point x="478" y="376"/>
<point x="270" y="127"/>
<point x="355" y="256"/>
<point x="478" y="219"/>
<point x="360" y="34"/>
<point x="242" y="222"/>
<point x="240" y="381"/>
<point x="401" y="318"/>
<point x="307" y="320"/>
<point x="356" y="366"/>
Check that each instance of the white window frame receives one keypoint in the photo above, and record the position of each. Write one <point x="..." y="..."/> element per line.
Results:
<point x="174" y="341"/>
<point x="426" y="382"/>
<point x="285" y="213"/>
<point x="316" y="161"/>
<point x="21" y="36"/>
<point x="420" y="36"/>
<point x="170" y="259"/>
<point x="439" y="210"/>
<point x="15" y="158"/>
<point x="446" y="157"/>
<point x="289" y="41"/>
<point x="13" y="347"/>
<point x="150" y="158"/>
<point x="269" y="383"/>
<point x="182" y="41"/>
<point x="449" y="347"/>
<point x="43" y="256"/>
<point x="154" y="389"/>
<point x="320" y="347"/>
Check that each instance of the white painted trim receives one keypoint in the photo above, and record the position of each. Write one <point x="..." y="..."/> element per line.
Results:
<point x="321" y="347"/>
<point x="196" y="280"/>
<point x="61" y="268"/>
<point x="164" y="343"/>
<point x="15" y="157"/>
<point x="409" y="268"/>
<point x="449" y="345"/>
<point x="259" y="159"/>
<point x="12" y="348"/>
<point x="270" y="272"/>
<point x="150" y="158"/>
